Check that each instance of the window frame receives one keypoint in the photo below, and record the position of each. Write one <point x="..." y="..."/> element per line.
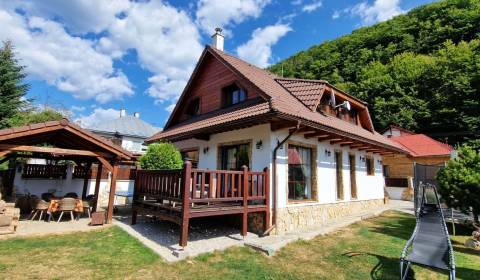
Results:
<point x="222" y="146"/>
<point x="339" y="186"/>
<point x="313" y="173"/>
<point x="188" y="111"/>
<point x="370" y="165"/>
<point x="226" y="93"/>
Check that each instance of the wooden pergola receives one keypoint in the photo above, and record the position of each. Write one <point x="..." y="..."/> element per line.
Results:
<point x="63" y="140"/>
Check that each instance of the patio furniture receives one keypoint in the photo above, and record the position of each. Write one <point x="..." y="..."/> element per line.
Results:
<point x="9" y="216"/>
<point x="67" y="205"/>
<point x="39" y="206"/>
<point x="71" y="195"/>
<point x="88" y="204"/>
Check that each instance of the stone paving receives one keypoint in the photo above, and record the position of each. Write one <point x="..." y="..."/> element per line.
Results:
<point x="162" y="237"/>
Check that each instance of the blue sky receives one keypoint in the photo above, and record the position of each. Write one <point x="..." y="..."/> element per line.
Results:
<point x="90" y="58"/>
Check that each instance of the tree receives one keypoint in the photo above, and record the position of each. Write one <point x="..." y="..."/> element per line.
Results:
<point x="12" y="88"/>
<point x="29" y="116"/>
<point x="459" y="181"/>
<point x="161" y="156"/>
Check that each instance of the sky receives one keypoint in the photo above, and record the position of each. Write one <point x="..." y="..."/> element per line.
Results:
<point x="90" y="58"/>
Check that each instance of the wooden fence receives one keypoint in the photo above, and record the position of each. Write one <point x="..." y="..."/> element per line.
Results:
<point x="44" y="171"/>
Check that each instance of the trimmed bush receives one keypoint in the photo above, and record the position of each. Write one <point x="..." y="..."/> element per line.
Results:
<point x="161" y="156"/>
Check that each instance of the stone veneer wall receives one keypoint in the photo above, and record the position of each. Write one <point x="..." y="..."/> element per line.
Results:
<point x="308" y="216"/>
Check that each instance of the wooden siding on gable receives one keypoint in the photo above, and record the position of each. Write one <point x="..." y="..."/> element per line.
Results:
<point x="207" y="84"/>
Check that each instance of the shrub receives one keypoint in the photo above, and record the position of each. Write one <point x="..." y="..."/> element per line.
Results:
<point x="161" y="156"/>
<point x="459" y="181"/>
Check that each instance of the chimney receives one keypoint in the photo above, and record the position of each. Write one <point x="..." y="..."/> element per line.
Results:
<point x="136" y="115"/>
<point x="123" y="112"/>
<point x="217" y="39"/>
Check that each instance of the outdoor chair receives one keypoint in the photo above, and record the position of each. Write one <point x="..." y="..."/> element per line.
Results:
<point x="47" y="196"/>
<point x="71" y="195"/>
<point x="88" y="204"/>
<point x="66" y="205"/>
<point x="9" y="216"/>
<point x="39" y="206"/>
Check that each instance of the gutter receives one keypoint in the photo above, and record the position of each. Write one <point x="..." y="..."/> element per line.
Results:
<point x="274" y="178"/>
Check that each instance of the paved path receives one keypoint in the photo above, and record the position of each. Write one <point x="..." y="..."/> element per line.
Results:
<point x="162" y="237"/>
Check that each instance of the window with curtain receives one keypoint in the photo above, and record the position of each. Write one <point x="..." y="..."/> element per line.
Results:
<point x="235" y="156"/>
<point x="299" y="172"/>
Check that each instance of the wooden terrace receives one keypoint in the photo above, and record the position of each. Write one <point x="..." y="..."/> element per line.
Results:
<point x="183" y="194"/>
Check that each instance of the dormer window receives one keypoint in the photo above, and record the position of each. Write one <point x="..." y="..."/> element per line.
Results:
<point x="193" y="108"/>
<point x="233" y="94"/>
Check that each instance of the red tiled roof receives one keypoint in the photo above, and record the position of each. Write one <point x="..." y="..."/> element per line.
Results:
<point x="420" y="145"/>
<point x="291" y="105"/>
<point x="307" y="92"/>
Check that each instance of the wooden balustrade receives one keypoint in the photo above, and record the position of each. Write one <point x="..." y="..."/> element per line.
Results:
<point x="178" y="195"/>
<point x="44" y="171"/>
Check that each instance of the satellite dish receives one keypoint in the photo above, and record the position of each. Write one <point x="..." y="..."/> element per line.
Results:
<point x="346" y="105"/>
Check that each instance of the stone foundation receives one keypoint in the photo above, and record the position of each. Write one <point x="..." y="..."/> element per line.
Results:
<point x="309" y="216"/>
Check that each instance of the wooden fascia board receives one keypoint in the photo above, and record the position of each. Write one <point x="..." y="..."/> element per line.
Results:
<point x="30" y="132"/>
<point x="21" y="148"/>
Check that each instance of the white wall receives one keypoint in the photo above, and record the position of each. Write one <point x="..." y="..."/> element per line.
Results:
<point x="368" y="187"/>
<point x="64" y="186"/>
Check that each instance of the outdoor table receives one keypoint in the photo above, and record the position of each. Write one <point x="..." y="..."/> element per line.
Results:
<point x="55" y="203"/>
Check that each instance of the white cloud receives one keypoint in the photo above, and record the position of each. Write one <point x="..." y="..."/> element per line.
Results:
<point x="297" y="2"/>
<point x="75" y="108"/>
<point x="336" y="14"/>
<point x="170" y="107"/>
<point x="70" y="63"/>
<point x="380" y="10"/>
<point x="312" y="6"/>
<point x="168" y="46"/>
<point x="220" y="13"/>
<point x="98" y="116"/>
<point x="258" y="50"/>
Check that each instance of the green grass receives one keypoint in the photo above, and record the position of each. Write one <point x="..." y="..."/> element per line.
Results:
<point x="366" y="250"/>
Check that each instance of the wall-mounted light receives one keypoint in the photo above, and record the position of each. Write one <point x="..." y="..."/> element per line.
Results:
<point x="205" y="150"/>
<point x="362" y="159"/>
<point x="259" y="144"/>
<point x="328" y="153"/>
<point x="379" y="161"/>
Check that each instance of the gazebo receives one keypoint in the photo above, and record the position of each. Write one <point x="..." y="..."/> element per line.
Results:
<point x="63" y="140"/>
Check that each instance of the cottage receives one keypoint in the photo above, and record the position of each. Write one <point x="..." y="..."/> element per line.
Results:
<point x="319" y="143"/>
<point x="398" y="169"/>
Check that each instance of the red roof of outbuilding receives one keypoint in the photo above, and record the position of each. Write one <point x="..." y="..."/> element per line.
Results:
<point x="420" y="145"/>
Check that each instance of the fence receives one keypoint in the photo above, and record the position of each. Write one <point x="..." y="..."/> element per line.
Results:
<point x="44" y="171"/>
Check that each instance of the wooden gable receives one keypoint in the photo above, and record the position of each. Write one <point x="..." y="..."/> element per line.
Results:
<point x="206" y="85"/>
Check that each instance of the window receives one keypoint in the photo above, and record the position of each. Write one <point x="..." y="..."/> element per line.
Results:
<point x="339" y="172"/>
<point x="233" y="157"/>
<point x="233" y="94"/>
<point x="386" y="171"/>
<point x="370" y="166"/>
<point x="353" y="177"/>
<point x="192" y="156"/>
<point x="193" y="108"/>
<point x="299" y="172"/>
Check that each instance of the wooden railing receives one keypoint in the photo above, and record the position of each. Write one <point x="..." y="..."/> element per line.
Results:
<point x="204" y="186"/>
<point x="178" y="195"/>
<point x="124" y="173"/>
<point x="44" y="171"/>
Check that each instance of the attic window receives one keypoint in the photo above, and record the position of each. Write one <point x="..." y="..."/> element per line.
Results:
<point x="233" y="94"/>
<point x="193" y="108"/>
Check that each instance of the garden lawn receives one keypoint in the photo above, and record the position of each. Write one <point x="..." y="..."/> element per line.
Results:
<point x="366" y="250"/>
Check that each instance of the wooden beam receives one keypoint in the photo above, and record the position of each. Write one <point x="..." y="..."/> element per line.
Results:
<point x="345" y="143"/>
<point x="336" y="140"/>
<point x="302" y="130"/>
<point x="105" y="163"/>
<point x="97" y="186"/>
<point x="50" y="150"/>
<point x="111" y="195"/>
<point x="86" y="179"/>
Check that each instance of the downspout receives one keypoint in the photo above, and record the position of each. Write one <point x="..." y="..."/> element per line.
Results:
<point x="274" y="178"/>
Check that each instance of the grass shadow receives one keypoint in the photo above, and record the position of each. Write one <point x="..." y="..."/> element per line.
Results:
<point x="386" y="268"/>
<point x="396" y="224"/>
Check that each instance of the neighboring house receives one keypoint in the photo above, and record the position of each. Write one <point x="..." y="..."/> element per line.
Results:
<point x="318" y="141"/>
<point x="399" y="168"/>
<point x="129" y="132"/>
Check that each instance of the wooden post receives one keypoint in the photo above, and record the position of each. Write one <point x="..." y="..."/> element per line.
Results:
<point x="86" y="179"/>
<point x="245" y="201"/>
<point x="135" y="196"/>
<point x="98" y="179"/>
<point x="111" y="195"/>
<point x="187" y="173"/>
<point x="266" y="174"/>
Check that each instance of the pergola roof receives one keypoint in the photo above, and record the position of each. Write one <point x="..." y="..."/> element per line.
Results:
<point x="67" y="138"/>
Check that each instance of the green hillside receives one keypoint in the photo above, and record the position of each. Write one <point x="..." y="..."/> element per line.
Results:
<point x="420" y="70"/>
